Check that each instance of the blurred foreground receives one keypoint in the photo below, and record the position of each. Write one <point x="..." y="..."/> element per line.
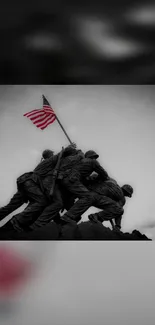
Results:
<point x="78" y="42"/>
<point x="80" y="283"/>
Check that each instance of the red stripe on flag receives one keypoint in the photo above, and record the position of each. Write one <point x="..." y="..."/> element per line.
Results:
<point x="47" y="106"/>
<point x="43" y="123"/>
<point x="49" y="110"/>
<point x="37" y="112"/>
<point x="49" y="122"/>
<point x="32" y="112"/>
<point x="33" y="118"/>
<point x="38" y="118"/>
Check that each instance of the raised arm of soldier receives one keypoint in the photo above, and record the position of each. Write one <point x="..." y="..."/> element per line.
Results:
<point x="96" y="167"/>
<point x="100" y="170"/>
<point x="50" y="159"/>
<point x="72" y="150"/>
<point x="71" y="156"/>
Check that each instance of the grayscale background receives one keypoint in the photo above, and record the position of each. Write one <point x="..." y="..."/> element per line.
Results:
<point x="117" y="121"/>
<point x="84" y="283"/>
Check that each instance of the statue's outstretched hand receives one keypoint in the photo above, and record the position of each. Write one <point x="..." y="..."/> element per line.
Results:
<point x="73" y="145"/>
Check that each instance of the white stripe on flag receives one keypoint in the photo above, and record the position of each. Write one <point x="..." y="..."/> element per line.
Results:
<point x="48" y="122"/>
<point x="31" y="113"/>
<point x="44" y="121"/>
<point x="38" y="119"/>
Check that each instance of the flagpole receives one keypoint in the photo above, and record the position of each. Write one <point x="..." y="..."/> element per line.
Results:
<point x="63" y="129"/>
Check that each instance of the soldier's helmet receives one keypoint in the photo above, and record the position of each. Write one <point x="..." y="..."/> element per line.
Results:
<point x="127" y="189"/>
<point x="47" y="153"/>
<point x="91" y="154"/>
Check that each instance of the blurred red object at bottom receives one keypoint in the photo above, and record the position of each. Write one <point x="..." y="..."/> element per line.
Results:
<point x="14" y="271"/>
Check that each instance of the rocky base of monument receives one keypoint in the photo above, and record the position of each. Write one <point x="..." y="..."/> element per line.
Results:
<point x="83" y="231"/>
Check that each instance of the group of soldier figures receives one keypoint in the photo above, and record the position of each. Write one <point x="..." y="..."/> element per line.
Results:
<point x="81" y="183"/>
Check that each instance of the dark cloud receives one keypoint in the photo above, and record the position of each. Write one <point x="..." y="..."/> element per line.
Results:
<point x="41" y="44"/>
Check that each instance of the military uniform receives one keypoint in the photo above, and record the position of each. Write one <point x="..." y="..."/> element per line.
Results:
<point x="38" y="201"/>
<point x="115" y="197"/>
<point x="36" y="186"/>
<point x="73" y="181"/>
<point x="51" y="211"/>
<point x="22" y="220"/>
<point x="109" y="188"/>
<point x="30" y="186"/>
<point x="16" y="202"/>
<point x="35" y="180"/>
<point x="73" y="177"/>
<point x="110" y="210"/>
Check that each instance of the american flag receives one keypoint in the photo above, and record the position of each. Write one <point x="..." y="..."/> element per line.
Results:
<point x="42" y="117"/>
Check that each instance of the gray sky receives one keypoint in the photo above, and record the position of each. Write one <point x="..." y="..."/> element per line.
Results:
<point x="117" y="121"/>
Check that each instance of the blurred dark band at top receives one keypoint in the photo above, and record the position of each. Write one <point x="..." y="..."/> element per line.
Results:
<point x="77" y="42"/>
